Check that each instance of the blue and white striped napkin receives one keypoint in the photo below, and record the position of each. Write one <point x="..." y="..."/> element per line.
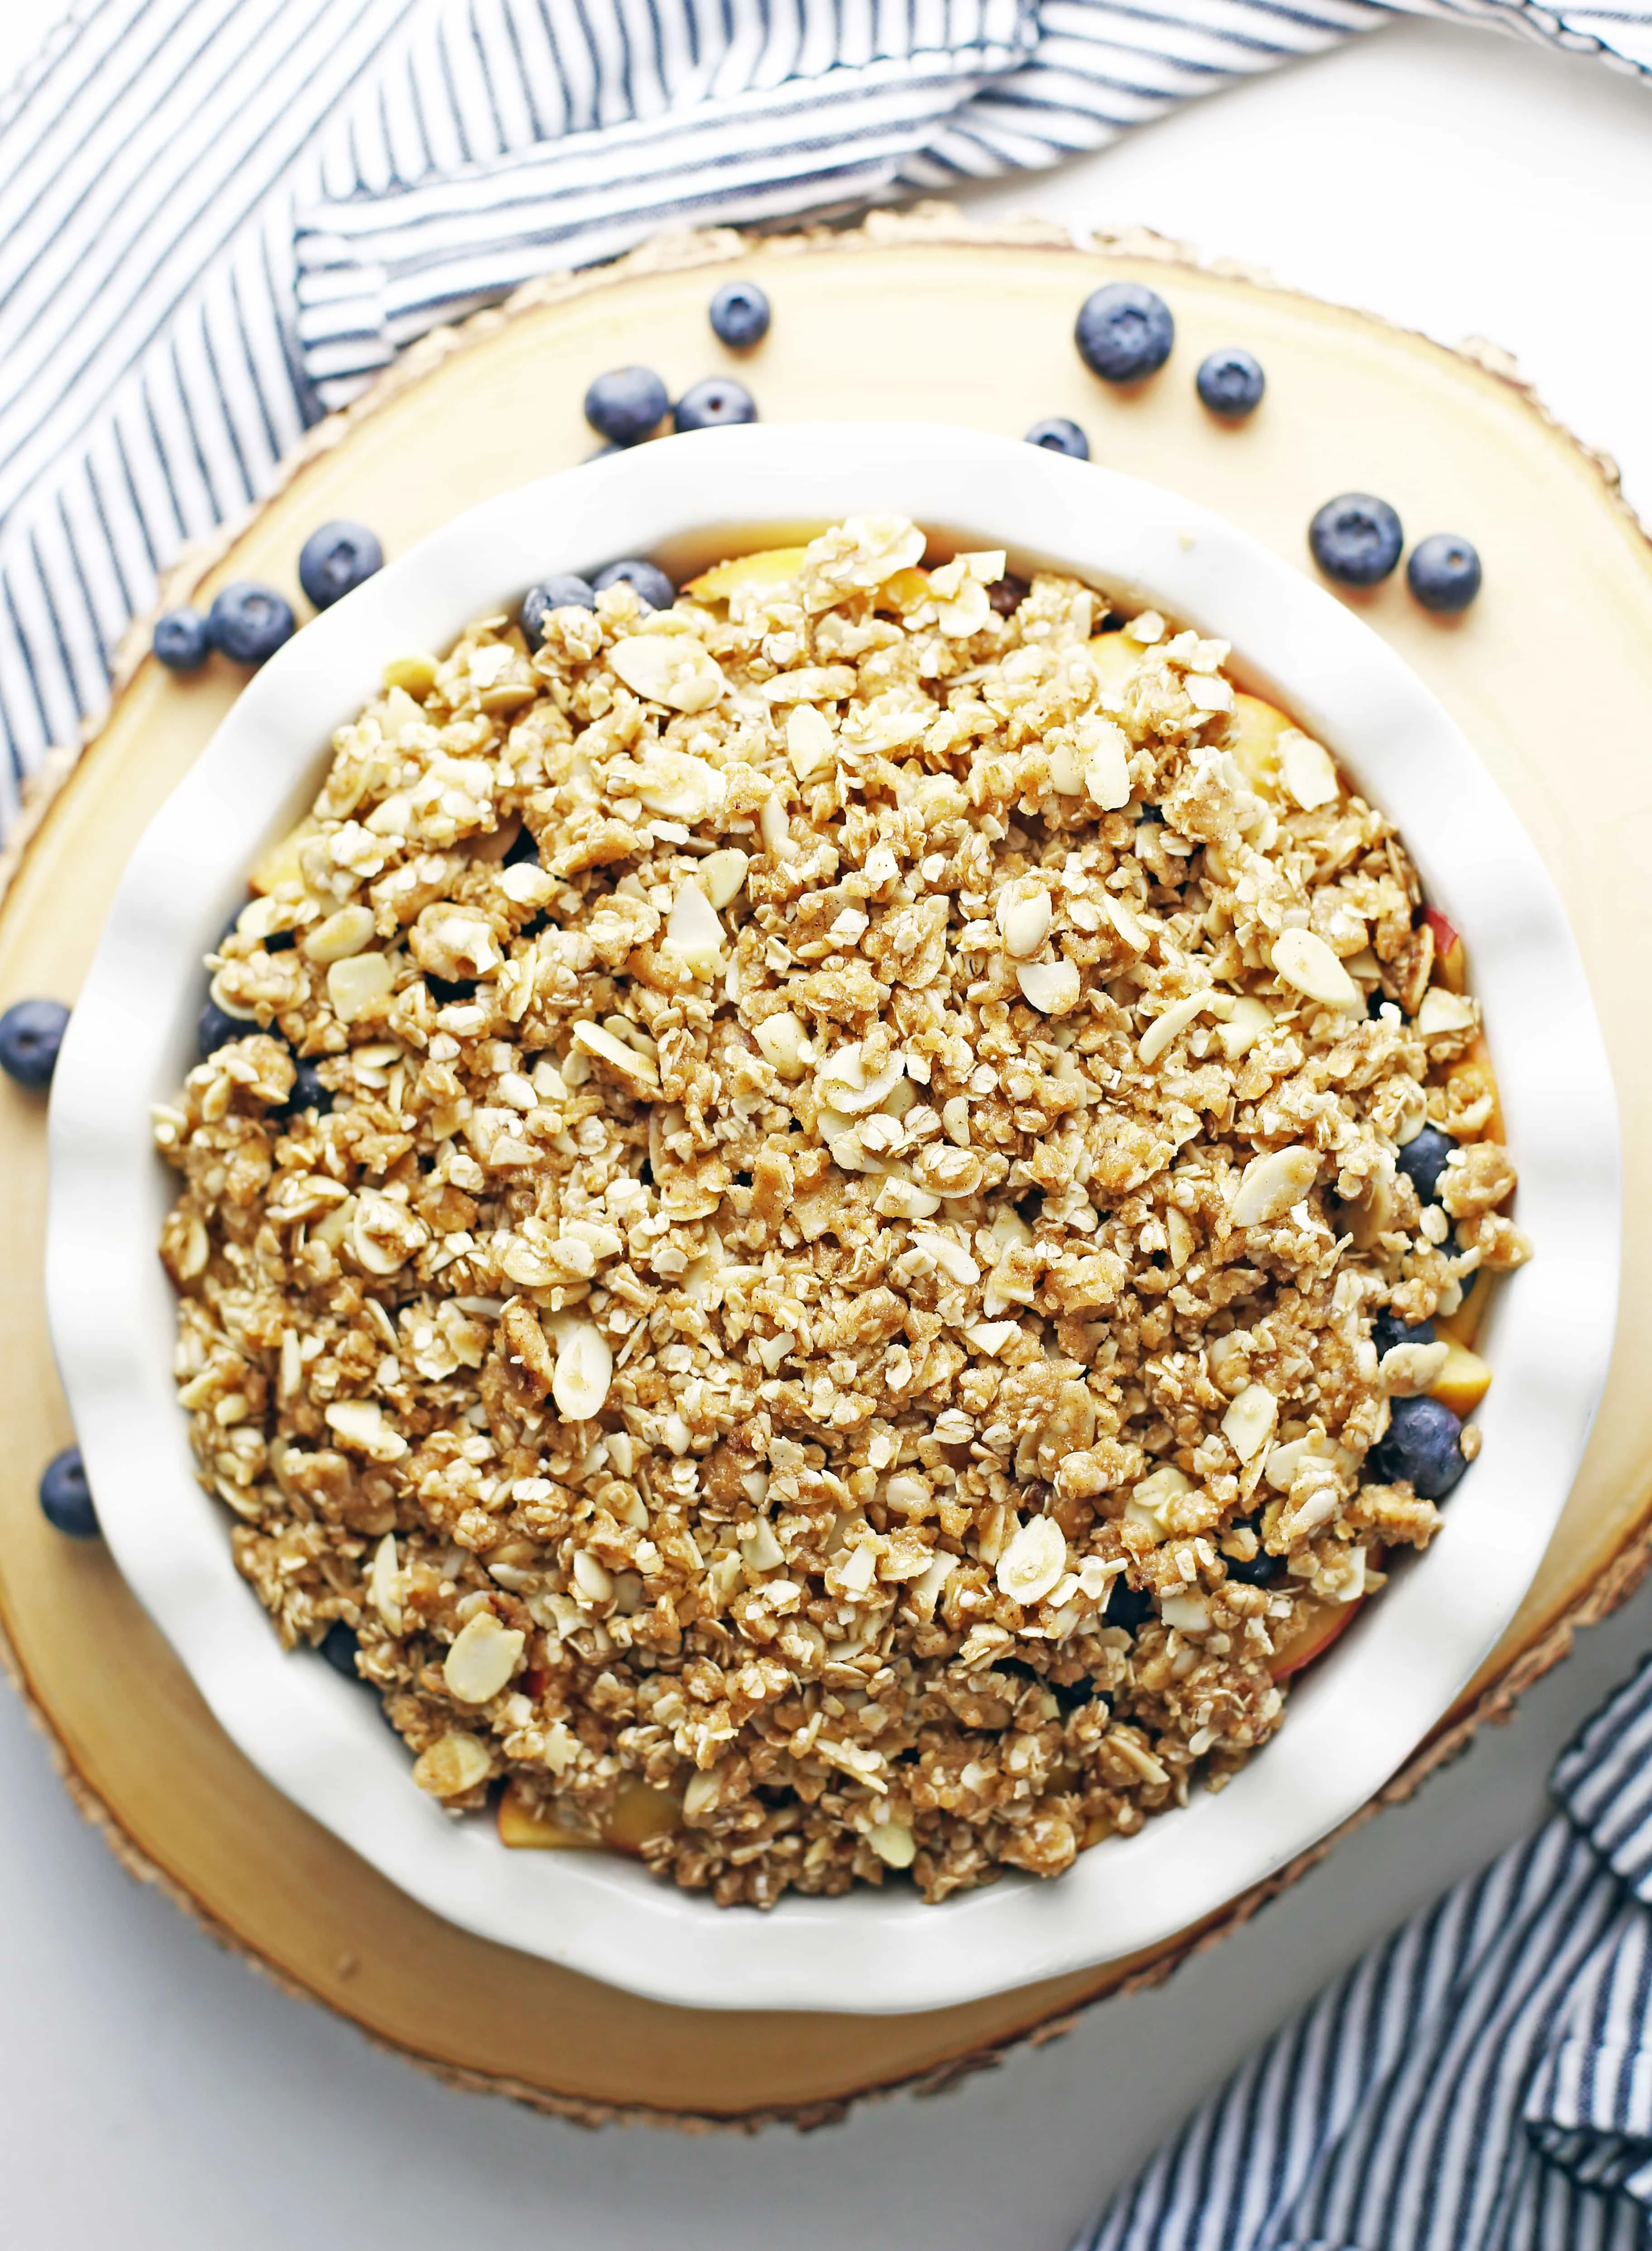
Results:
<point x="1481" y="2082"/>
<point x="218" y="218"/>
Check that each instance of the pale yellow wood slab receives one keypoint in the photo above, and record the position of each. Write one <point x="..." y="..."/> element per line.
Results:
<point x="1549" y="675"/>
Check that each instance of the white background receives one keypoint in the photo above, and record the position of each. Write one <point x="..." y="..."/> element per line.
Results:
<point x="155" y="2095"/>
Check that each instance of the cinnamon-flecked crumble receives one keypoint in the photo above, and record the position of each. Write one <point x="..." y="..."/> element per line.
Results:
<point x="861" y="1168"/>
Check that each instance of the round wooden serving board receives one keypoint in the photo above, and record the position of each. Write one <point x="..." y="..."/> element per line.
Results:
<point x="922" y="317"/>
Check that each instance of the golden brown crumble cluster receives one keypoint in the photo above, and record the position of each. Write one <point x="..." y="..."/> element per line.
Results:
<point x="861" y="1165"/>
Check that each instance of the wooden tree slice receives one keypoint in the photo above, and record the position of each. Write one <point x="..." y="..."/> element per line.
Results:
<point x="928" y="318"/>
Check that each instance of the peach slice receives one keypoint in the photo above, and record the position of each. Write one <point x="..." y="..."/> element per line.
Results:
<point x="524" y="1829"/>
<point x="1252" y="736"/>
<point x="1117" y="658"/>
<point x="907" y="591"/>
<point x="1464" y="1380"/>
<point x="770" y="566"/>
<point x="1313" y="1629"/>
<point x="1451" y="967"/>
<point x="639" y="1813"/>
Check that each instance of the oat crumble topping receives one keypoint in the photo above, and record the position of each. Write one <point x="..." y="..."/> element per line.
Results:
<point x="861" y="1170"/>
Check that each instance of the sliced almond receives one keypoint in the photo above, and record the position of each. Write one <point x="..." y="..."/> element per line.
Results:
<point x="724" y="875"/>
<point x="452" y="1766"/>
<point x="1033" y="1562"/>
<point x="1272" y="1184"/>
<point x="784" y="1041"/>
<point x="1443" y="1012"/>
<point x="585" y="1370"/>
<point x="1177" y="1018"/>
<point x="620" y="1056"/>
<point x="1105" y="752"/>
<point x="693" y="930"/>
<point x="893" y="1843"/>
<point x="339" y="936"/>
<point x="1248" y="1423"/>
<point x="360" y="1422"/>
<point x="483" y="1656"/>
<point x="810" y="743"/>
<point x="670" y="668"/>
<point x="1303" y="959"/>
<point x="1051" y="987"/>
<point x="384" y="1584"/>
<point x="1024" y="922"/>
<point x="678" y="786"/>
<point x="1310" y="777"/>
<point x="354" y="984"/>
<point x="1250" y="1020"/>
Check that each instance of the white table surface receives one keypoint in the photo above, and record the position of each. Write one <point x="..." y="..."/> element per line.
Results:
<point x="155" y="2095"/>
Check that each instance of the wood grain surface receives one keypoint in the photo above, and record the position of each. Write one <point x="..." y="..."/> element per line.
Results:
<point x="921" y="317"/>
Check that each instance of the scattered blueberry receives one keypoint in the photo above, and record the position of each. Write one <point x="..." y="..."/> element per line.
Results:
<point x="308" y="1091"/>
<point x="1444" y="572"/>
<point x="1423" y="1161"/>
<point x="1124" y="332"/>
<point x="66" y="1498"/>
<point x="1231" y="383"/>
<point x="181" y="641"/>
<point x="1007" y="593"/>
<point x="711" y="405"/>
<point x="336" y="558"/>
<point x="338" y="1646"/>
<point x="740" y="314"/>
<point x="1260" y="1570"/>
<point x="1356" y="539"/>
<point x="249" y="622"/>
<point x="1056" y="435"/>
<point x="1420" y="1445"/>
<point x="1387" y="1330"/>
<point x="626" y="405"/>
<point x="215" y="1028"/>
<point x="653" y="588"/>
<point x="563" y="592"/>
<point x="1128" y="1606"/>
<point x="523" y="851"/>
<point x="30" y="1034"/>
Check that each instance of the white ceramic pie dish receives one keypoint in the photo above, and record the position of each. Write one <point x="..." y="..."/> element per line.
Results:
<point x="1352" y="1721"/>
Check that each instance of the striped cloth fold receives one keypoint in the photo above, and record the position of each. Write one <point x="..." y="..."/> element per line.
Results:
<point x="1482" y="2081"/>
<point x="220" y="218"/>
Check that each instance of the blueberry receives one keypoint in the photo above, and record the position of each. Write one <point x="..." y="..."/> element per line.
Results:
<point x="1124" y="332"/>
<point x="215" y="1028"/>
<point x="338" y="1646"/>
<point x="565" y="591"/>
<point x="740" y="314"/>
<point x="626" y="405"/>
<point x="30" y="1034"/>
<point x="653" y="588"/>
<point x="1419" y="1446"/>
<point x="336" y="558"/>
<point x="523" y="851"/>
<point x="1423" y="1160"/>
<point x="66" y="1498"/>
<point x="307" y="1093"/>
<point x="1387" y="1330"/>
<point x="1057" y="436"/>
<point x="181" y="641"/>
<point x="1260" y="1571"/>
<point x="712" y="404"/>
<point x="249" y="622"/>
<point x="1007" y="593"/>
<point x="1231" y="383"/>
<point x="1356" y="539"/>
<point x="1128" y="1606"/>
<point x="1443" y="572"/>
